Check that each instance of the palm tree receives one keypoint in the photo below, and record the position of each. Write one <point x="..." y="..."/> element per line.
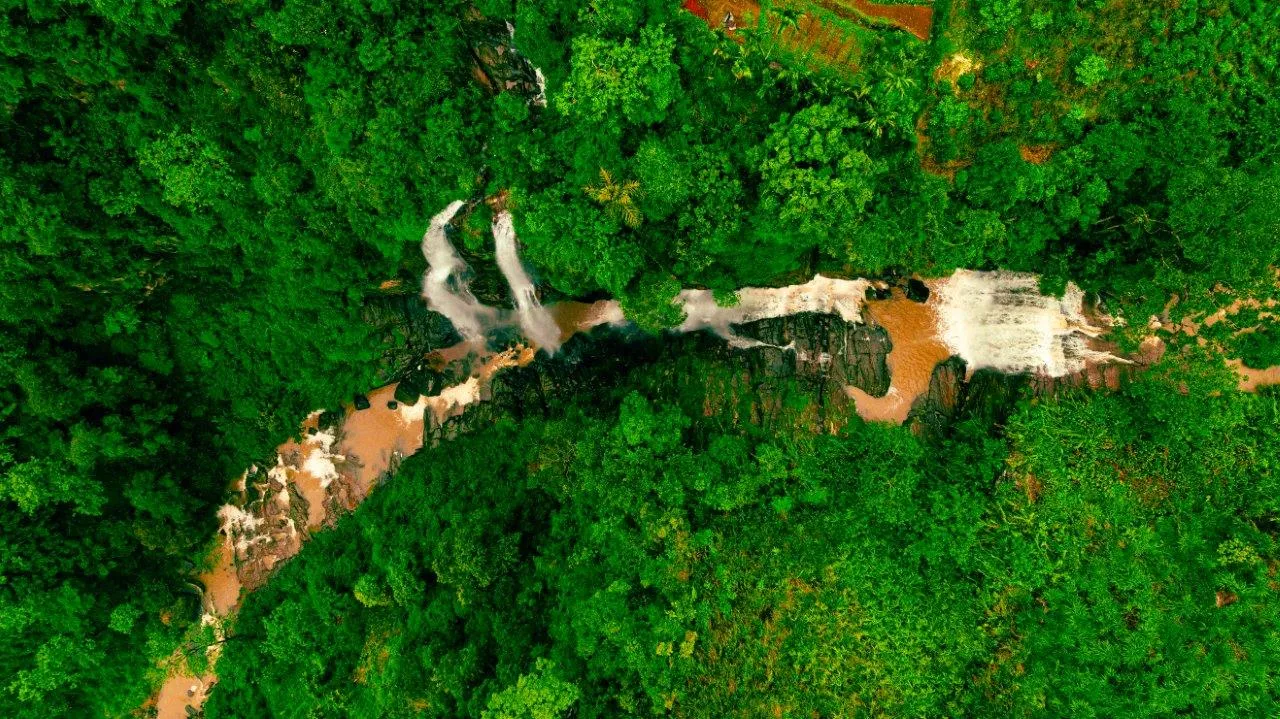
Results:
<point x="618" y="198"/>
<point x="879" y="120"/>
<point x="898" y="81"/>
<point x="787" y="18"/>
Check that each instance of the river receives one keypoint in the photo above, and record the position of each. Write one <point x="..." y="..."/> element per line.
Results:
<point x="995" y="320"/>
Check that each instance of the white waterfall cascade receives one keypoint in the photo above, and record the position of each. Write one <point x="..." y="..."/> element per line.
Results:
<point x="445" y="285"/>
<point x="995" y="319"/>
<point x="536" y="323"/>
<point x="1001" y="321"/>
<point x="822" y="295"/>
<point x="541" y="98"/>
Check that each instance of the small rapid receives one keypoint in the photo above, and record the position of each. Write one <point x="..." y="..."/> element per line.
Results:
<point x="1000" y="320"/>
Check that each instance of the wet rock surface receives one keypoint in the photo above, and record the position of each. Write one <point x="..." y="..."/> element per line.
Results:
<point x="586" y="363"/>
<point x="499" y="67"/>
<point x="800" y="388"/>
<point x="826" y="350"/>
<point x="417" y="380"/>
<point x="917" y="291"/>
<point x="987" y="396"/>
<point x="765" y="386"/>
<point x="410" y="331"/>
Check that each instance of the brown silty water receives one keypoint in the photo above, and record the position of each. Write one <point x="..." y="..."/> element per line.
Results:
<point x="337" y="468"/>
<point x="1250" y="379"/>
<point x="329" y="470"/>
<point x="917" y="349"/>
<point x="222" y="593"/>
<point x="366" y="446"/>
<point x="575" y="317"/>
<point x="179" y="692"/>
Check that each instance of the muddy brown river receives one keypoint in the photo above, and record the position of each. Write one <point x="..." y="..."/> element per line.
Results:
<point x="991" y="319"/>
<point x="917" y="349"/>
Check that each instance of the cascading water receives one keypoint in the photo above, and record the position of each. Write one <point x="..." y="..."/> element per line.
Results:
<point x="535" y="321"/>
<point x="822" y="295"/>
<point x="1001" y="321"/>
<point x="990" y="319"/>
<point x="445" y="286"/>
<point x="541" y="98"/>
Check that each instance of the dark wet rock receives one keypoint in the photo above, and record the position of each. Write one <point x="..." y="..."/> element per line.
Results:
<point x="791" y="390"/>
<point x="504" y="337"/>
<point x="940" y="401"/>
<point x="825" y="349"/>
<point x="1093" y="377"/>
<point x="917" y="291"/>
<point x="987" y="398"/>
<point x="407" y="391"/>
<point x="860" y="360"/>
<point x="499" y="66"/>
<point x="420" y="379"/>
<point x="798" y="384"/>
<point x="587" y="365"/>
<point x="196" y="593"/>
<point x="472" y="238"/>
<point x="361" y="402"/>
<point x="329" y="418"/>
<point x="878" y="293"/>
<point x="409" y="331"/>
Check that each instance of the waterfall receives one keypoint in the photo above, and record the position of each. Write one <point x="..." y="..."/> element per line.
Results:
<point x="445" y="285"/>
<point x="1001" y="321"/>
<point x="541" y="98"/>
<point x="535" y="321"/>
<point x="822" y="295"/>
<point x="997" y="320"/>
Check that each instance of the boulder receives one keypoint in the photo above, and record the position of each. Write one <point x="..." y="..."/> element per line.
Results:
<point x="917" y="291"/>
<point x="987" y="397"/>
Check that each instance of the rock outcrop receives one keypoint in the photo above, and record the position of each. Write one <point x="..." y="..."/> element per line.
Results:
<point x="499" y="66"/>
<point x="826" y="350"/>
<point x="986" y="396"/>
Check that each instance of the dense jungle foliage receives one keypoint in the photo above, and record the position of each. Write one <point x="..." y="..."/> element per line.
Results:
<point x="629" y="556"/>
<point x="207" y="208"/>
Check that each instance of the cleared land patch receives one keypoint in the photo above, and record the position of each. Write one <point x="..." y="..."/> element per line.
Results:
<point x="830" y="32"/>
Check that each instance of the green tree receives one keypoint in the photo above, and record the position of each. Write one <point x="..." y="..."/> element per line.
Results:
<point x="610" y="81"/>
<point x="1091" y="70"/>
<point x="816" y="179"/>
<point x="538" y="695"/>
<point x="618" y="198"/>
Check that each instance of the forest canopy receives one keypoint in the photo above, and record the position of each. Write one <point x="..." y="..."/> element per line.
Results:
<point x="210" y="215"/>
<point x="626" y="556"/>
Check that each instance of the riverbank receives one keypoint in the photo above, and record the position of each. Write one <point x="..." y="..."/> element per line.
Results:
<point x="992" y="321"/>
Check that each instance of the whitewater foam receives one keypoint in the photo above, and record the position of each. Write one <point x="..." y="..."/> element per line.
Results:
<point x="1000" y="320"/>
<point x="536" y="323"/>
<point x="445" y="286"/>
